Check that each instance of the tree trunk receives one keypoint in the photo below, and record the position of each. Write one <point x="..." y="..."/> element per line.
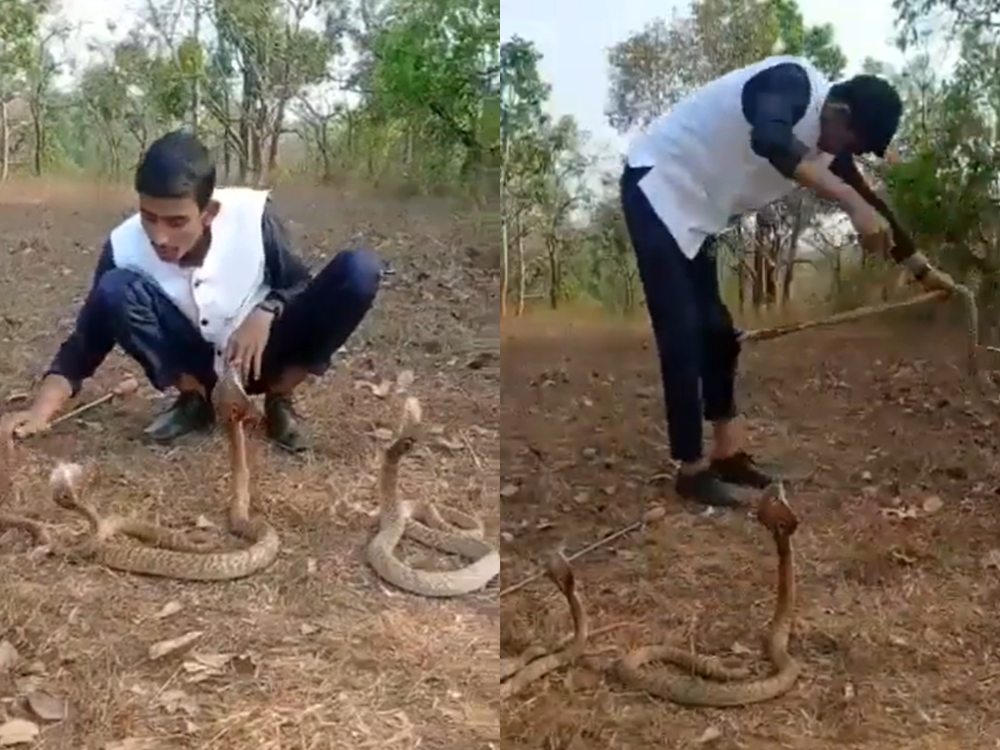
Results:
<point x="522" y="282"/>
<point x="4" y="142"/>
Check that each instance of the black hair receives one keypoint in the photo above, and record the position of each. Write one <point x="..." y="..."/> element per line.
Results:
<point x="876" y="109"/>
<point x="177" y="165"/>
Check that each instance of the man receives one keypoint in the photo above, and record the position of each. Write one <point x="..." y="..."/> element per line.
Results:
<point x="199" y="280"/>
<point x="732" y="147"/>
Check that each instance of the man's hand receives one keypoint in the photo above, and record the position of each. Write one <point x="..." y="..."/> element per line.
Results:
<point x="245" y="350"/>
<point x="935" y="280"/>
<point x="871" y="226"/>
<point x="22" y="424"/>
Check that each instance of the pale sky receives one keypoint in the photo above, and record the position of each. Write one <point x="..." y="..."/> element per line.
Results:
<point x="574" y="39"/>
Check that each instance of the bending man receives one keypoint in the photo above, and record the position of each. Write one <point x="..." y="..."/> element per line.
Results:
<point x="201" y="279"/>
<point x="732" y="147"/>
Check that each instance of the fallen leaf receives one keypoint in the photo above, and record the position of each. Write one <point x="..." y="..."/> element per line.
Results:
<point x="28" y="683"/>
<point x="509" y="490"/>
<point x="202" y="666"/>
<point x="991" y="559"/>
<point x="382" y="389"/>
<point x="404" y="380"/>
<point x="134" y="743"/>
<point x="177" y="701"/>
<point x="18" y="732"/>
<point x="383" y="433"/>
<point x="47" y="707"/>
<point x="711" y="734"/>
<point x="172" y="646"/>
<point x="452" y="445"/>
<point x="933" y="504"/>
<point x="899" y="512"/>
<point x="245" y="664"/>
<point x="8" y="656"/>
<point x="169" y="609"/>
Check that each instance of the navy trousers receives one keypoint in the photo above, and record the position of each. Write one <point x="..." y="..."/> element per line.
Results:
<point x="154" y="332"/>
<point x="697" y="342"/>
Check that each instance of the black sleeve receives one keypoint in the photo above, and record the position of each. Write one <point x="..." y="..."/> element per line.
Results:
<point x="286" y="274"/>
<point x="92" y="338"/>
<point x="844" y="167"/>
<point x="774" y="101"/>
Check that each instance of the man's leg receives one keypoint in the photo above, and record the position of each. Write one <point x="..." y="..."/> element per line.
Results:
<point x="309" y="331"/>
<point x="720" y="359"/>
<point x="675" y="313"/>
<point x="168" y="347"/>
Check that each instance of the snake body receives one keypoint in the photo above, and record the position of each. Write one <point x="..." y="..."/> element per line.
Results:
<point x="718" y="686"/>
<point x="173" y="556"/>
<point x="446" y="530"/>
<point x="38" y="532"/>
<point x="517" y="673"/>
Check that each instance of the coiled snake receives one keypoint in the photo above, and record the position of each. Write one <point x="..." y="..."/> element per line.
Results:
<point x="536" y="662"/>
<point x="730" y="687"/>
<point x="709" y="688"/>
<point x="173" y="555"/>
<point x="447" y="530"/>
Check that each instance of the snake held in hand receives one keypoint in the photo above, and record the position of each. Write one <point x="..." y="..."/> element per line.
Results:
<point x="718" y="686"/>
<point x="174" y="556"/>
<point x="443" y="529"/>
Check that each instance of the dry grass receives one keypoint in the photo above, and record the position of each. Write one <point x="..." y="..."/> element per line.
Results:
<point x="315" y="653"/>
<point x="897" y="631"/>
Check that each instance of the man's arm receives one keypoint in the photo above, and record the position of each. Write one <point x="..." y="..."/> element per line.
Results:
<point x="903" y="246"/>
<point x="82" y="352"/>
<point x="774" y="101"/>
<point x="287" y="275"/>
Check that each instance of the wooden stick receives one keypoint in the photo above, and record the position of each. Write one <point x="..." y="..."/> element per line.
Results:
<point x="766" y="334"/>
<point x="654" y="514"/>
<point x="126" y="387"/>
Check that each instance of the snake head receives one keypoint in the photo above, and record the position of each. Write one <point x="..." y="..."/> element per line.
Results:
<point x="231" y="401"/>
<point x="66" y="481"/>
<point x="558" y="569"/>
<point x="774" y="512"/>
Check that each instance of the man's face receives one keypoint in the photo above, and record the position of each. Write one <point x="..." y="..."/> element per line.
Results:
<point x="174" y="225"/>
<point x="836" y="136"/>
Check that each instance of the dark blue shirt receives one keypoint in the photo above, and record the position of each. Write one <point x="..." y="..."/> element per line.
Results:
<point x="92" y="339"/>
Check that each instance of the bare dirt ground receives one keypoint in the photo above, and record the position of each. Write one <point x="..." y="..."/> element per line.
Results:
<point x="314" y="653"/>
<point x="897" y="548"/>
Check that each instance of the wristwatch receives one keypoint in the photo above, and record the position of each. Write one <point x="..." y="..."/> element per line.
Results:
<point x="917" y="264"/>
<point x="272" y="306"/>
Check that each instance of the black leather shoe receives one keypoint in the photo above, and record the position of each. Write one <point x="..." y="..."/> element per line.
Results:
<point x="190" y="412"/>
<point x="742" y="470"/>
<point x="282" y="423"/>
<point x="706" y="488"/>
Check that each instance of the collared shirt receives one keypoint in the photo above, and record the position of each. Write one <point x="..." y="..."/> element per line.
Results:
<point x="92" y="338"/>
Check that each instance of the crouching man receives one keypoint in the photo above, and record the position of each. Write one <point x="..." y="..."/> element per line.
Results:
<point x="202" y="279"/>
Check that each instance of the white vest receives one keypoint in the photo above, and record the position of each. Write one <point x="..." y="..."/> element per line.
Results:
<point x="703" y="169"/>
<point x="218" y="295"/>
